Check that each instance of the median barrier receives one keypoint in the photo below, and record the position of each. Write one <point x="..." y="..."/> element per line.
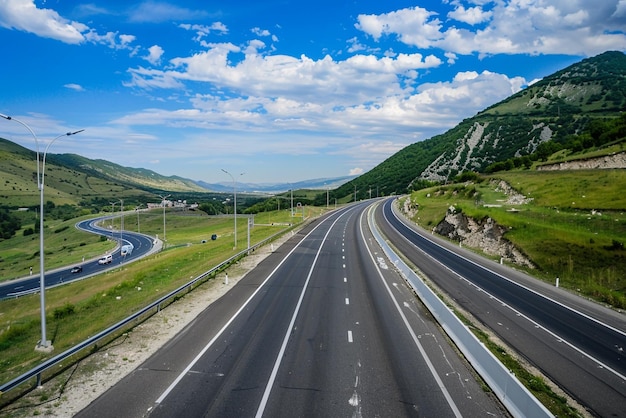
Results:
<point x="519" y="401"/>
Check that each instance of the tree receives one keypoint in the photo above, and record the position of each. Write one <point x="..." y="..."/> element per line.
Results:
<point x="9" y="224"/>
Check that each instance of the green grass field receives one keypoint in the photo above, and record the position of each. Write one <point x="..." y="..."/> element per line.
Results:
<point x="573" y="229"/>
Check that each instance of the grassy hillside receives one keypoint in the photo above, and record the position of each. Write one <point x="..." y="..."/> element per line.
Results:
<point x="135" y="177"/>
<point x="63" y="184"/>
<point x="574" y="228"/>
<point x="75" y="180"/>
<point x="552" y="110"/>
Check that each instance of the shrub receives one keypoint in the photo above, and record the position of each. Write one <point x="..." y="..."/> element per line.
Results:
<point x="64" y="311"/>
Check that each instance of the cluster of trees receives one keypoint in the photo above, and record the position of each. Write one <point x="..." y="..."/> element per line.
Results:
<point x="598" y="133"/>
<point x="9" y="224"/>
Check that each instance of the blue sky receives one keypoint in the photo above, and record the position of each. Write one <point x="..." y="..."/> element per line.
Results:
<point x="280" y="90"/>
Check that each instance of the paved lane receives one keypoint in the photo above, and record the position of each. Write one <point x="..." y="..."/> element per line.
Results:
<point x="578" y="345"/>
<point x="322" y="328"/>
<point x="142" y="244"/>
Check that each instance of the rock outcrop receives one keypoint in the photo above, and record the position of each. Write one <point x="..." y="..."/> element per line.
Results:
<point x="605" y="162"/>
<point x="484" y="234"/>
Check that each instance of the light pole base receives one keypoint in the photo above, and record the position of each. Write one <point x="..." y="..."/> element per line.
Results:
<point x="48" y="348"/>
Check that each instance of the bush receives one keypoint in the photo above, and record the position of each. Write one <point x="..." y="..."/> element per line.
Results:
<point x="64" y="311"/>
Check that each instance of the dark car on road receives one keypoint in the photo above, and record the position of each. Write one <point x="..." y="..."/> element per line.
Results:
<point x="76" y="269"/>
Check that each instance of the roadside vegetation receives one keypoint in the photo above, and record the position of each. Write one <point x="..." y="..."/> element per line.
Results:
<point x="81" y="309"/>
<point x="574" y="227"/>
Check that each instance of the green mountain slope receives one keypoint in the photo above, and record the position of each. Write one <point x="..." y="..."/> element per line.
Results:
<point x="552" y="109"/>
<point x="75" y="180"/>
<point x="136" y="177"/>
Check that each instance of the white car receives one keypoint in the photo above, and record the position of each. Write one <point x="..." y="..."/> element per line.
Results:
<point x="106" y="259"/>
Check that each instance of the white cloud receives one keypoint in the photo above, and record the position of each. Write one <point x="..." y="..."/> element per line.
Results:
<point x="254" y="46"/>
<point x="149" y="79"/>
<point x="452" y="57"/>
<point x="355" y="45"/>
<point x="408" y="116"/>
<point x="357" y="79"/>
<point x="203" y="30"/>
<point x="472" y="15"/>
<point x="575" y="27"/>
<point x="413" y="26"/>
<point x="260" y="32"/>
<point x="73" y="86"/>
<point x="25" y="16"/>
<point x="154" y="54"/>
<point x="112" y="40"/>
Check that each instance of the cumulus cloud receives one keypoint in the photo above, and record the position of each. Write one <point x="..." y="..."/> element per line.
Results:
<point x="113" y="40"/>
<point x="260" y="32"/>
<point x="203" y="30"/>
<point x="356" y="79"/>
<point x="154" y="54"/>
<point x="25" y="16"/>
<point x="472" y="15"/>
<point x="73" y="86"/>
<point x="580" y="27"/>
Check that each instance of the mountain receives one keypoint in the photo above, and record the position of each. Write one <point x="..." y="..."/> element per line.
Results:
<point x="137" y="177"/>
<point x="76" y="180"/>
<point x="553" y="109"/>
<point x="315" y="184"/>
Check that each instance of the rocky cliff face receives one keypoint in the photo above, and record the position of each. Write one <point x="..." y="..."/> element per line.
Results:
<point x="478" y="147"/>
<point x="484" y="234"/>
<point x="606" y="162"/>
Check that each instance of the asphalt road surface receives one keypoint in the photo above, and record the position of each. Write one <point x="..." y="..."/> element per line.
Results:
<point x="323" y="328"/>
<point x="576" y="343"/>
<point x="142" y="244"/>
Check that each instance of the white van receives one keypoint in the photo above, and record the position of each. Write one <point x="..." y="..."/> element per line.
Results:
<point x="106" y="259"/>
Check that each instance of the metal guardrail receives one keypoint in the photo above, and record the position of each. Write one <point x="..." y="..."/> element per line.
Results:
<point x="515" y="397"/>
<point x="38" y="370"/>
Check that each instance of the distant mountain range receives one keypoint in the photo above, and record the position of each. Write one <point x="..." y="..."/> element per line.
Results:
<point x="315" y="184"/>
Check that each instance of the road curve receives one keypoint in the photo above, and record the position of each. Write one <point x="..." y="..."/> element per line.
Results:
<point x="579" y="345"/>
<point x="142" y="244"/>
<point x="322" y="327"/>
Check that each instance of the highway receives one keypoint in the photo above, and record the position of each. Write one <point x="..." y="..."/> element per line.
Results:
<point x="576" y="343"/>
<point x="322" y="327"/>
<point x="142" y="245"/>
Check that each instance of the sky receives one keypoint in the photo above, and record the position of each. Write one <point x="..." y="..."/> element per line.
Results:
<point x="275" y="91"/>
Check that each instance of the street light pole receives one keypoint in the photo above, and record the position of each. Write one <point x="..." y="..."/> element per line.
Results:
<point x="122" y="222"/>
<point x="327" y="192"/>
<point x="235" y="201"/>
<point x="44" y="344"/>
<point x="137" y="212"/>
<point x="112" y="214"/>
<point x="163" y="204"/>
